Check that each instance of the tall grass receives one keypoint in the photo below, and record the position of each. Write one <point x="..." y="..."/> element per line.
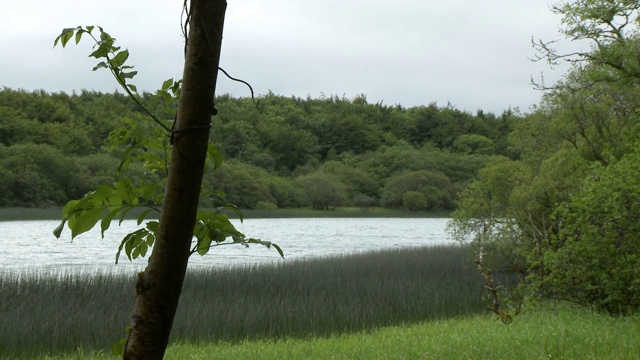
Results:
<point x="49" y="314"/>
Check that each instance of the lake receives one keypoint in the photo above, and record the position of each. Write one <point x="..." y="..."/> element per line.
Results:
<point x="31" y="246"/>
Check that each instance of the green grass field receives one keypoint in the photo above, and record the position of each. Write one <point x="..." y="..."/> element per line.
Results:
<point x="564" y="333"/>
<point x="544" y="334"/>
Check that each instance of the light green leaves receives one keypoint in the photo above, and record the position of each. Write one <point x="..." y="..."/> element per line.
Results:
<point x="141" y="142"/>
<point x="112" y="58"/>
<point x="213" y="226"/>
<point x="137" y="243"/>
<point x="109" y="202"/>
<point x="148" y="145"/>
<point x="119" y="59"/>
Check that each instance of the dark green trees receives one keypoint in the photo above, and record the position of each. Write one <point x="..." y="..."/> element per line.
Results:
<point x="270" y="145"/>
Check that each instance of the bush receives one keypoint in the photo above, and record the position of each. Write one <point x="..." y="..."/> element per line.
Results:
<point x="597" y="256"/>
<point x="414" y="200"/>
<point x="266" y="205"/>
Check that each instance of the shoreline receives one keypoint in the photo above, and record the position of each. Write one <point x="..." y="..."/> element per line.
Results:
<point x="54" y="213"/>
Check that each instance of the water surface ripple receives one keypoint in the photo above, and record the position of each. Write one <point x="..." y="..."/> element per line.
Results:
<point x="30" y="245"/>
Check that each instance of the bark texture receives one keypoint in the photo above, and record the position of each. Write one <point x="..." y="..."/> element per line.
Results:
<point x="158" y="288"/>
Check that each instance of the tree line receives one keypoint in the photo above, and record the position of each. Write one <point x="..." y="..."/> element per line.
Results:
<point x="280" y="152"/>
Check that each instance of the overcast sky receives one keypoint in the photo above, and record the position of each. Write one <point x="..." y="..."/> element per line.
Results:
<point x="473" y="54"/>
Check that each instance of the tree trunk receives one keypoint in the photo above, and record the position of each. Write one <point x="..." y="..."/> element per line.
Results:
<point x="158" y="288"/>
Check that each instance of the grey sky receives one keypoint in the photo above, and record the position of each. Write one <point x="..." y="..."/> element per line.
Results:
<point x="473" y="54"/>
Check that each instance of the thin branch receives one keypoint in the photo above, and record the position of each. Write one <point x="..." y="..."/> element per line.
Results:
<point x="242" y="81"/>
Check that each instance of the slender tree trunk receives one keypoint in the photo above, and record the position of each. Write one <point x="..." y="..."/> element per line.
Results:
<point x="158" y="288"/>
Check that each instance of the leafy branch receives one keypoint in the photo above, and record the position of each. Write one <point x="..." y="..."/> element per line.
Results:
<point x="115" y="61"/>
<point x="148" y="145"/>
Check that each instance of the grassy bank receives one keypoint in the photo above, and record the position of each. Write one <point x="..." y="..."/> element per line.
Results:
<point x="343" y="212"/>
<point x="54" y="213"/>
<point x="568" y="333"/>
<point x="44" y="314"/>
<point x="563" y="333"/>
<point x="16" y="214"/>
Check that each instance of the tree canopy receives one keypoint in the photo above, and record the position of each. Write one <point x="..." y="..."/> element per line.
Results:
<point x="271" y="147"/>
<point x="563" y="214"/>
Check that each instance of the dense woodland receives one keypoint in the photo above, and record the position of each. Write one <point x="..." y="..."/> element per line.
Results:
<point x="280" y="152"/>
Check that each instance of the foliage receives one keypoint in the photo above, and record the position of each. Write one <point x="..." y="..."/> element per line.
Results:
<point x="474" y="144"/>
<point x="563" y="214"/>
<point x="148" y="145"/>
<point x="598" y="254"/>
<point x="323" y="191"/>
<point x="364" y="202"/>
<point x="424" y="189"/>
<point x="287" y="137"/>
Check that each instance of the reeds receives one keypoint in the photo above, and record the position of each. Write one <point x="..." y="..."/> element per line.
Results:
<point x="55" y="313"/>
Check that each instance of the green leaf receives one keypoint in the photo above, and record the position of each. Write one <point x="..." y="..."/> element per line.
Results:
<point x="85" y="221"/>
<point x="166" y="84"/>
<point x="129" y="75"/>
<point x="152" y="226"/>
<point x="148" y="190"/>
<point x="106" y="220"/>
<point x="64" y="37"/>
<point x="142" y="249"/>
<point x="119" y="59"/>
<point x="278" y="249"/>
<point x="101" y="65"/>
<point x="217" y="235"/>
<point x="204" y="245"/>
<point x="102" y="51"/>
<point x="132" y="246"/>
<point x="132" y="88"/>
<point x="143" y="216"/>
<point x="58" y="230"/>
<point x="125" y="239"/>
<point x="124" y="189"/>
<point x="79" y="35"/>
<point x="100" y="195"/>
<point x="130" y="242"/>
<point x="175" y="89"/>
<point x="69" y="208"/>
<point x="124" y="213"/>
<point x="150" y="239"/>
<point x="135" y="253"/>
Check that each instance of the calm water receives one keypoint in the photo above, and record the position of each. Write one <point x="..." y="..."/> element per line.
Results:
<point x="30" y="245"/>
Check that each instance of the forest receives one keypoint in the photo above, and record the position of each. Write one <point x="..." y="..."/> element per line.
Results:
<point x="279" y="152"/>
